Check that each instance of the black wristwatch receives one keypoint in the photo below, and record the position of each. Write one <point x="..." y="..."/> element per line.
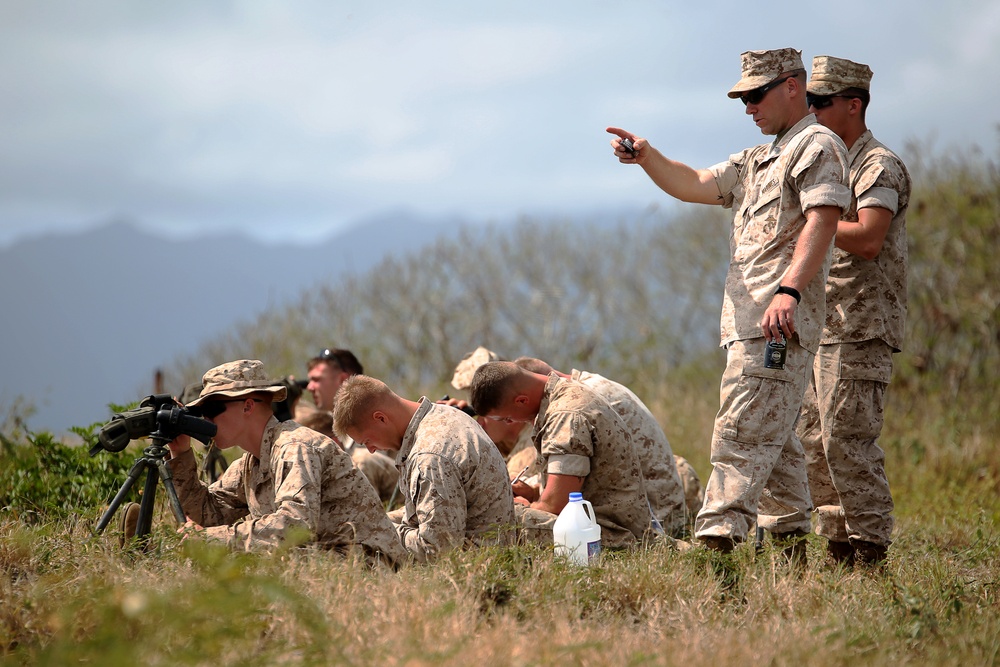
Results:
<point x="790" y="291"/>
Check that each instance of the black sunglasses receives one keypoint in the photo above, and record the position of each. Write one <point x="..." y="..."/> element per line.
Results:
<point x="823" y="101"/>
<point x="757" y="94"/>
<point x="212" y="409"/>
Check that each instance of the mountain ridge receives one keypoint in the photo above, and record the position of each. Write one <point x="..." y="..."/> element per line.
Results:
<point x="88" y="316"/>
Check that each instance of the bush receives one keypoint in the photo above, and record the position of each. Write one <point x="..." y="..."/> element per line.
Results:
<point x="43" y="479"/>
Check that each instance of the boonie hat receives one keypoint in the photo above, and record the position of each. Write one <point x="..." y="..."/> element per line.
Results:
<point x="760" y="68"/>
<point x="835" y="75"/>
<point x="238" y="378"/>
<point x="467" y="367"/>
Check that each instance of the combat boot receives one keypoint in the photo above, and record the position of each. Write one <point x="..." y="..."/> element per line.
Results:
<point x="130" y="519"/>
<point x="723" y="561"/>
<point x="719" y="543"/>
<point x="870" y="554"/>
<point x="840" y="553"/>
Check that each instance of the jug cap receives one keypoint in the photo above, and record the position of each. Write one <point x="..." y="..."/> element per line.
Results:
<point x="575" y="497"/>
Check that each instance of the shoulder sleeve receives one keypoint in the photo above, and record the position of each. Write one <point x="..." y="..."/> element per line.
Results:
<point x="727" y="176"/>
<point x="880" y="181"/>
<point x="568" y="444"/>
<point x="820" y="172"/>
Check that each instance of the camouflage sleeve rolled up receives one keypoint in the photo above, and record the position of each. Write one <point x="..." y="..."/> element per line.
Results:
<point x="434" y="518"/>
<point x="222" y="503"/>
<point x="566" y="443"/>
<point x="296" y="471"/>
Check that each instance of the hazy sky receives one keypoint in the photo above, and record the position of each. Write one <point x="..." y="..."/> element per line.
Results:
<point x="293" y="119"/>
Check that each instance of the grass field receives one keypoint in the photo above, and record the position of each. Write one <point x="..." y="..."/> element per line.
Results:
<point x="70" y="597"/>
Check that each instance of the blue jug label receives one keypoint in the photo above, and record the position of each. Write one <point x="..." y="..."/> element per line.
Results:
<point x="593" y="550"/>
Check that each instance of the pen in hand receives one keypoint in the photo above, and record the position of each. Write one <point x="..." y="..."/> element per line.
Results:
<point x="519" y="475"/>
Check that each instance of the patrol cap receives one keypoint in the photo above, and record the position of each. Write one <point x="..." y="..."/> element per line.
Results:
<point x="835" y="75"/>
<point x="238" y="378"/>
<point x="760" y="68"/>
<point x="467" y="367"/>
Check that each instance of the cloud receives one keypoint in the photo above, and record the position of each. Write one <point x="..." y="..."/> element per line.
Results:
<point x="223" y="113"/>
<point x="979" y="40"/>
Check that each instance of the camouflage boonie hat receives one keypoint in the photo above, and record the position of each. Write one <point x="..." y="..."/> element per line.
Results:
<point x="238" y="378"/>
<point x="467" y="367"/>
<point x="760" y="68"/>
<point x="835" y="75"/>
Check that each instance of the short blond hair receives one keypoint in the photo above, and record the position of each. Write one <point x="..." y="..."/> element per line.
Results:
<point x="360" y="395"/>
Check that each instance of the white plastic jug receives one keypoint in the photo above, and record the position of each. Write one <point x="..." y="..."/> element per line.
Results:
<point x="576" y="533"/>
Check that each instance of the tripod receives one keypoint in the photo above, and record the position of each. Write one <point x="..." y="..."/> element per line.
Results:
<point x="153" y="461"/>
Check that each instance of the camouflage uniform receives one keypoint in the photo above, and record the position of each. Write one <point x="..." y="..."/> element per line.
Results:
<point x="770" y="188"/>
<point x="842" y="412"/>
<point x="694" y="496"/>
<point x="454" y="484"/>
<point x="576" y="432"/>
<point x="656" y="459"/>
<point x="302" y="479"/>
<point x="378" y="468"/>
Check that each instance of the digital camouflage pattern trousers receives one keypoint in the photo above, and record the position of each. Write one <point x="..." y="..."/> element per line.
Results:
<point x="758" y="465"/>
<point x="841" y="419"/>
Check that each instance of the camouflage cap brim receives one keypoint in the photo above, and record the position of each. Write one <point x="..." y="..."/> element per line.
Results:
<point x="831" y="76"/>
<point x="760" y="68"/>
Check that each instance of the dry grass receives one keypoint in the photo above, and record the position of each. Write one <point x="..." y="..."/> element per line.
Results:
<point x="73" y="599"/>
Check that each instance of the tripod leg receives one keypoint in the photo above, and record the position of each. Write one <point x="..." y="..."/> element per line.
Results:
<point x="172" y="499"/>
<point x="133" y="475"/>
<point x="148" y="501"/>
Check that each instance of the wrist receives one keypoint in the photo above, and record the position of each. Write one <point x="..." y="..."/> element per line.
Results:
<point x="790" y="291"/>
<point x="535" y="494"/>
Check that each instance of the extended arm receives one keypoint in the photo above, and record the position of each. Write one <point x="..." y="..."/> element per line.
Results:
<point x="675" y="178"/>
<point x="221" y="503"/>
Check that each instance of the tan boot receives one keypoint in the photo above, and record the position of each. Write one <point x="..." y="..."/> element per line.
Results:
<point x="129" y="521"/>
